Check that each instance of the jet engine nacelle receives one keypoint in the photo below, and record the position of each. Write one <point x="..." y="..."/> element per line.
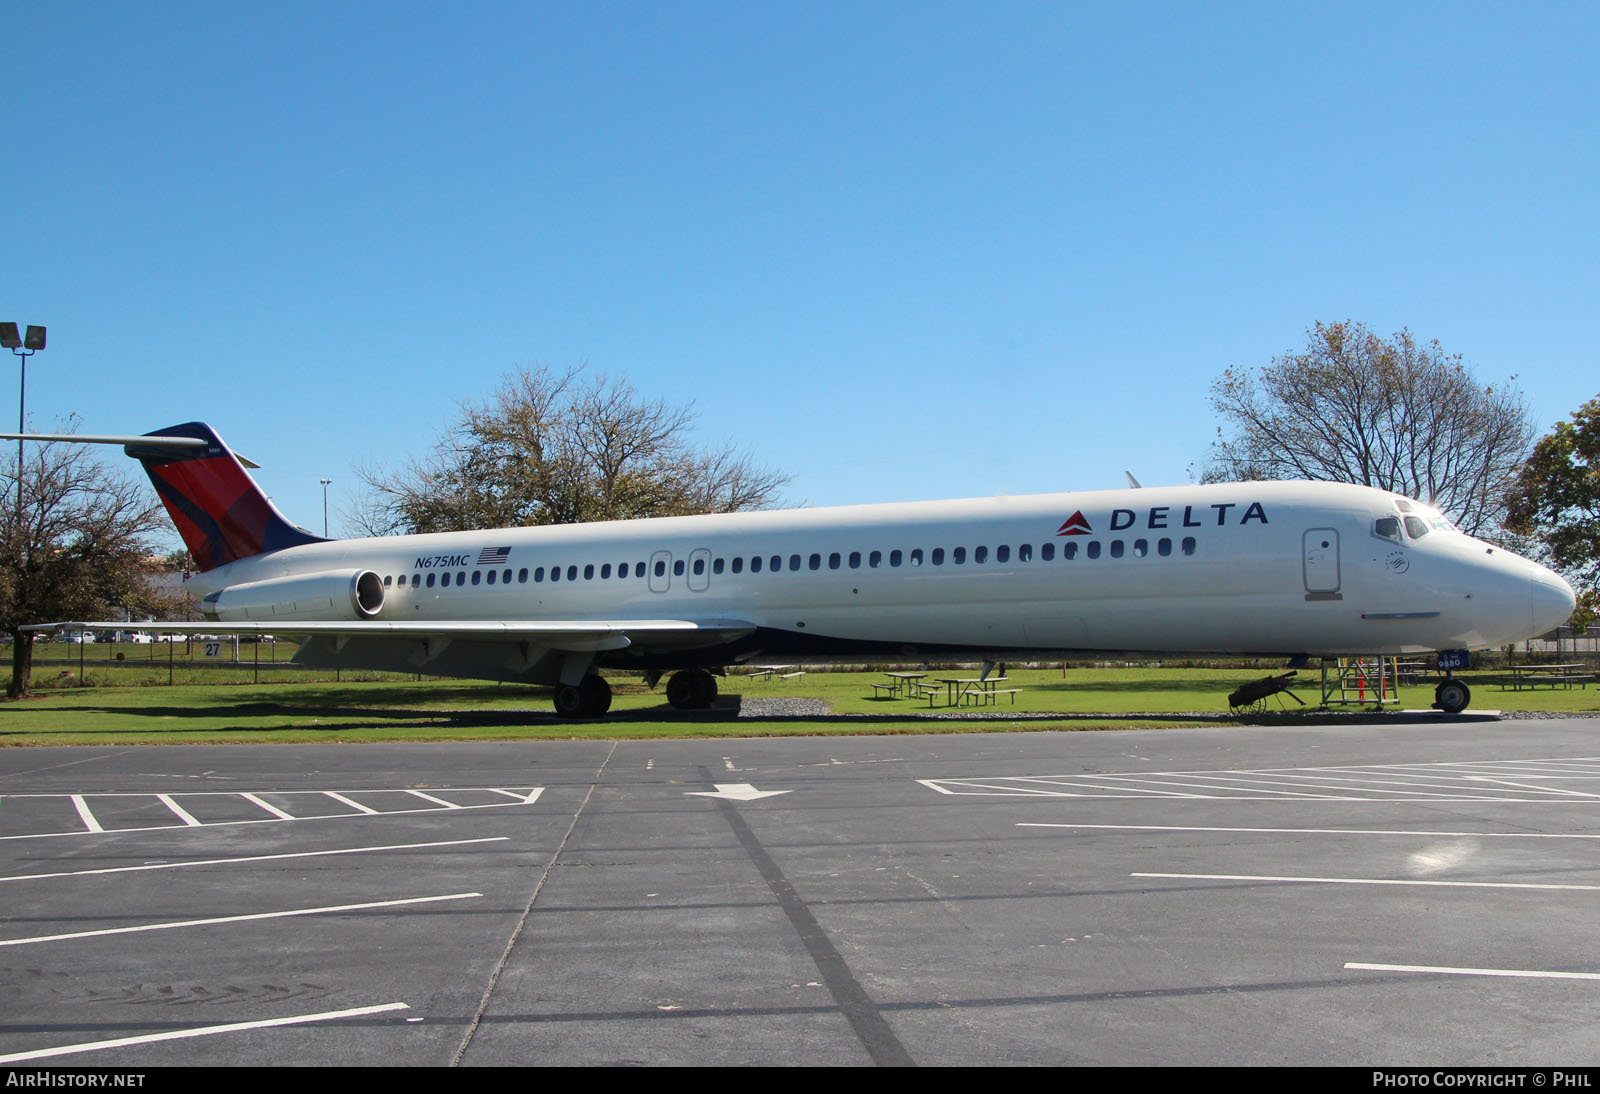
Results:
<point x="334" y="596"/>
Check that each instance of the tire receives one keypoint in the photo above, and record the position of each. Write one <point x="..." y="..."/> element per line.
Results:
<point x="569" y="701"/>
<point x="1452" y="696"/>
<point x="691" y="689"/>
<point x="681" y="690"/>
<point x="596" y="696"/>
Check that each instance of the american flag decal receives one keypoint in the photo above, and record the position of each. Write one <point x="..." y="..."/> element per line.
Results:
<point x="493" y="556"/>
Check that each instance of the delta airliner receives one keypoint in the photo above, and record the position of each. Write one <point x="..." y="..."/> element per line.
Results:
<point x="1290" y="569"/>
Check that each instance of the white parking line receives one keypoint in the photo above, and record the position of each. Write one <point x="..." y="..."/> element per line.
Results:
<point x="1538" y="974"/>
<point x="84" y="815"/>
<point x="1306" y="831"/>
<point x="236" y="919"/>
<point x="252" y="858"/>
<point x="174" y="804"/>
<point x="434" y="800"/>
<point x="198" y="1031"/>
<point x="338" y="797"/>
<point x="1289" y="879"/>
<point x="268" y="806"/>
<point x="178" y="810"/>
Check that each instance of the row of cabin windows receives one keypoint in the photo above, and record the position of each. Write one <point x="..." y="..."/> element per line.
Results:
<point x="755" y="564"/>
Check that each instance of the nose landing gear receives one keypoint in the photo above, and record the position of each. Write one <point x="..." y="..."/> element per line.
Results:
<point x="1451" y="696"/>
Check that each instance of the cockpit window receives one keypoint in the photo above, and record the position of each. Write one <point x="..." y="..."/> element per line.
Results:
<point x="1402" y="504"/>
<point x="1416" y="527"/>
<point x="1387" y="527"/>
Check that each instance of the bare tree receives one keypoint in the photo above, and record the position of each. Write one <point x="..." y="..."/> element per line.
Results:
<point x="561" y="448"/>
<point x="1392" y="414"/>
<point x="77" y="549"/>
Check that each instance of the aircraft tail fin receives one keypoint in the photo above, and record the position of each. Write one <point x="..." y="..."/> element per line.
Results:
<point x="219" y="510"/>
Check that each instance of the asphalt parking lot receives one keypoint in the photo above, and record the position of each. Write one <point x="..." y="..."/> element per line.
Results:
<point x="1377" y="895"/>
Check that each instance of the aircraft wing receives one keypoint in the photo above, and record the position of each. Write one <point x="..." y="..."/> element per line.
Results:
<point x="577" y="635"/>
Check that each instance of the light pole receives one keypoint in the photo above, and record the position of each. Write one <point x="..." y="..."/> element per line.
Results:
<point x="24" y="346"/>
<point x="325" y="483"/>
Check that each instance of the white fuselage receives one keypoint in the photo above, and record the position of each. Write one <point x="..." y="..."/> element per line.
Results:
<point x="1244" y="568"/>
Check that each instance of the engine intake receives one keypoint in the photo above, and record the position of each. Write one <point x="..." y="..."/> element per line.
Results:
<point x="334" y="596"/>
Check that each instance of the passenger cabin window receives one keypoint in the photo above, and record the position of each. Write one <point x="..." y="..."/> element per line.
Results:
<point x="1047" y="552"/>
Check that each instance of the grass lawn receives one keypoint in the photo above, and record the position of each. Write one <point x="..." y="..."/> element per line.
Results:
<point x="294" y="705"/>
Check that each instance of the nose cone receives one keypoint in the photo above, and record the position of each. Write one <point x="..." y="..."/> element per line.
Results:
<point x="1553" y="600"/>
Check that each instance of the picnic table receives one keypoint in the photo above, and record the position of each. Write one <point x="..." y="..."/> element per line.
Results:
<point x="903" y="683"/>
<point x="977" y="690"/>
<point x="1528" y="677"/>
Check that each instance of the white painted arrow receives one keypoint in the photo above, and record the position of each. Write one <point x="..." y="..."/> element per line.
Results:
<point x="739" y="792"/>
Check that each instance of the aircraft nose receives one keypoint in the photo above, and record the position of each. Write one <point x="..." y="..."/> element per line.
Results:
<point x="1553" y="600"/>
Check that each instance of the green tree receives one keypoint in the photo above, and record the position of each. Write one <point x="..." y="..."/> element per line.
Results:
<point x="76" y="550"/>
<point x="561" y="448"/>
<point x="1556" y="501"/>
<point x="1391" y="413"/>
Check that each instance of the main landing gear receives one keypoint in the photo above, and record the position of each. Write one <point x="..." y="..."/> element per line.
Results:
<point x="589" y="699"/>
<point x="1452" y="696"/>
<point x="691" y="689"/>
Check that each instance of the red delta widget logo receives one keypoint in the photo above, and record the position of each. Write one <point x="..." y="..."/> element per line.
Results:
<point x="1165" y="516"/>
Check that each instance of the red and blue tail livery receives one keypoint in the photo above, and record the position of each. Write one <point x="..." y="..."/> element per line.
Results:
<point x="218" y="509"/>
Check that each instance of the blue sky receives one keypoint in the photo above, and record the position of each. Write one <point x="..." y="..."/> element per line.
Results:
<point x="896" y="250"/>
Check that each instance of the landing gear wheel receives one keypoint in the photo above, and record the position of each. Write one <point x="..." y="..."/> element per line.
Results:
<point x="1452" y="696"/>
<point x="691" y="689"/>
<point x="596" y="695"/>
<point x="569" y="701"/>
<point x="589" y="699"/>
